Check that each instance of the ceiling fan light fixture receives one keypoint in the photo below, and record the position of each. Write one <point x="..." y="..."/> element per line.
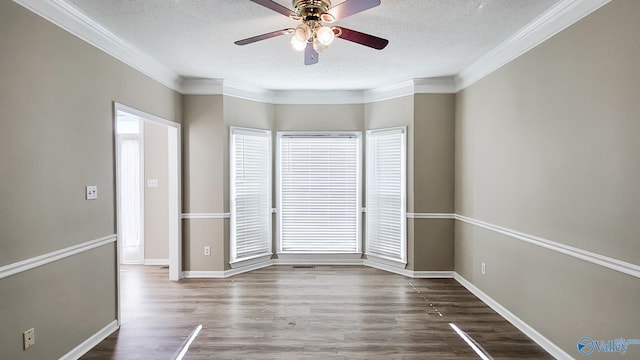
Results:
<point x="297" y="44"/>
<point x="319" y="47"/>
<point x="302" y="32"/>
<point x="314" y="32"/>
<point x="325" y="35"/>
<point x="328" y="18"/>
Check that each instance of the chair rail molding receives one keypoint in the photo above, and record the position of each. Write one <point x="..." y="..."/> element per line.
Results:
<point x="52" y="256"/>
<point x="598" y="259"/>
<point x="206" y="215"/>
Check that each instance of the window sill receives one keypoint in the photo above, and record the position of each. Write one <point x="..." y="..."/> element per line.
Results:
<point x="250" y="261"/>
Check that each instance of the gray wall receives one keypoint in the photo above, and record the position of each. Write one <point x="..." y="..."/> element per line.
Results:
<point x="156" y="200"/>
<point x="206" y="170"/>
<point x="318" y="117"/>
<point x="548" y="145"/>
<point x="56" y="136"/>
<point x="207" y="119"/>
<point x="203" y="182"/>
<point x="434" y="123"/>
<point x="430" y="120"/>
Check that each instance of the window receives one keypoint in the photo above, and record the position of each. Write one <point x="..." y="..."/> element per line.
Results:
<point x="319" y="199"/>
<point x="250" y="168"/>
<point x="386" y="195"/>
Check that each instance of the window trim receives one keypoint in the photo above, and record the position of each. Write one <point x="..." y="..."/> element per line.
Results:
<point x="403" y="209"/>
<point x="359" y="187"/>
<point x="249" y="260"/>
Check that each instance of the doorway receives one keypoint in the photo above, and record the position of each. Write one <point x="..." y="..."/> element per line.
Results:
<point x="147" y="162"/>
<point x="130" y="160"/>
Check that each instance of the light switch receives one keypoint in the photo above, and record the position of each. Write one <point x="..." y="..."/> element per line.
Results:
<point x="92" y="192"/>
<point x="152" y="183"/>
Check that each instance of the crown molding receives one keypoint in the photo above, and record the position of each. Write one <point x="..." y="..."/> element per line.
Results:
<point x="435" y="85"/>
<point x="69" y="18"/>
<point x="389" y="92"/>
<point x="557" y="18"/>
<point x="319" y="97"/>
<point x="247" y="92"/>
<point x="553" y="21"/>
<point x="198" y="86"/>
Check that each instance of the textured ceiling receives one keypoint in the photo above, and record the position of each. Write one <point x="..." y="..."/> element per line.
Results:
<point x="428" y="38"/>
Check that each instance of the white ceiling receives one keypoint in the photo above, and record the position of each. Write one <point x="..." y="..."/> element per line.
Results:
<point x="428" y="38"/>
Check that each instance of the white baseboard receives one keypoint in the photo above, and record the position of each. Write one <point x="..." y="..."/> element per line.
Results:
<point x="409" y="273"/>
<point x="225" y="273"/>
<point x="91" y="342"/>
<point x="203" y="274"/>
<point x="387" y="261"/>
<point x="386" y="267"/>
<point x="159" y="262"/>
<point x="317" y="261"/>
<point x="432" y="274"/>
<point x="259" y="259"/>
<point x="251" y="267"/>
<point x="124" y="262"/>
<point x="534" y="335"/>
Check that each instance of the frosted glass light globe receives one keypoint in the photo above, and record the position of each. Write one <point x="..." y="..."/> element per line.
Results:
<point x="325" y="35"/>
<point x="302" y="32"/>
<point x="297" y="44"/>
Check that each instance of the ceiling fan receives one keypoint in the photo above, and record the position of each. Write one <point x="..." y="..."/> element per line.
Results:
<point x="312" y="35"/>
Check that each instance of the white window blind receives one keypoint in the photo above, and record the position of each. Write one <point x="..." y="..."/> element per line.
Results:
<point x="319" y="193"/>
<point x="386" y="194"/>
<point x="250" y="168"/>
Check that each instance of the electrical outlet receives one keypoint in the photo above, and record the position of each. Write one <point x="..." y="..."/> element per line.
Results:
<point x="207" y="250"/>
<point x="92" y="192"/>
<point x="29" y="338"/>
<point x="483" y="269"/>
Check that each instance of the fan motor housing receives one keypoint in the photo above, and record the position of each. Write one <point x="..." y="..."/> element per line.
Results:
<point x="311" y="8"/>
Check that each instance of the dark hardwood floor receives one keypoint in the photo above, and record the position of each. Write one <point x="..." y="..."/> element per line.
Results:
<point x="327" y="312"/>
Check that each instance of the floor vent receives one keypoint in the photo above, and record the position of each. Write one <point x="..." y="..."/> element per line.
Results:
<point x="303" y="266"/>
